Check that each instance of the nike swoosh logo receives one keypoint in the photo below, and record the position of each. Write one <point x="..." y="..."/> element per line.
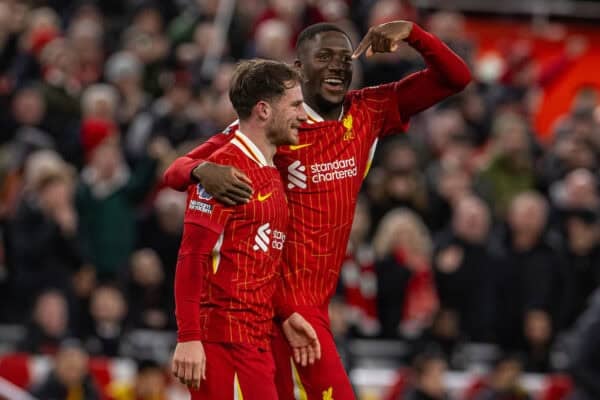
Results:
<point x="264" y="197"/>
<point x="295" y="147"/>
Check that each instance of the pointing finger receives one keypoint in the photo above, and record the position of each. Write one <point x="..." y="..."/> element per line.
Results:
<point x="362" y="46"/>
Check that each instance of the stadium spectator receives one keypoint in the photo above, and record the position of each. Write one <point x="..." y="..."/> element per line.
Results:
<point x="463" y="265"/>
<point x="69" y="378"/>
<point x="49" y="325"/>
<point x="108" y="309"/>
<point x="528" y="282"/>
<point x="148" y="292"/>
<point x="406" y="296"/>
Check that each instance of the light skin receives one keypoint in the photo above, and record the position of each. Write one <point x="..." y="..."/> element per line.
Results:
<point x="271" y="124"/>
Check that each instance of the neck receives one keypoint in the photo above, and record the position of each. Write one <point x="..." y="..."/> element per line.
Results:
<point x="326" y="110"/>
<point x="259" y="137"/>
<point x="524" y="242"/>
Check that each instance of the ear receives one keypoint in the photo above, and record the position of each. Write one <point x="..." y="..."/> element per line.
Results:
<point x="263" y="110"/>
<point x="298" y="63"/>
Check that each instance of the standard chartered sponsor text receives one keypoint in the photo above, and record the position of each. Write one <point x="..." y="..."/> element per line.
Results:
<point x="334" y="170"/>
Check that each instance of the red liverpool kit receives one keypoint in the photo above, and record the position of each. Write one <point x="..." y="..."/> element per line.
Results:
<point x="227" y="273"/>
<point x="322" y="176"/>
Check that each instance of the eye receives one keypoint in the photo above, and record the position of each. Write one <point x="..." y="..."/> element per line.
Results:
<point x="323" y="56"/>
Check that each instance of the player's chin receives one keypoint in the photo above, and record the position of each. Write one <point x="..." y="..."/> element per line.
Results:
<point x="334" y="98"/>
<point x="293" y="136"/>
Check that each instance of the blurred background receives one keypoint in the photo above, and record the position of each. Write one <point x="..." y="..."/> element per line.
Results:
<point x="474" y="259"/>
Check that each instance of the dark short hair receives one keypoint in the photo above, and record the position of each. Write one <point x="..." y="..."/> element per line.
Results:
<point x="260" y="80"/>
<point x="313" y="30"/>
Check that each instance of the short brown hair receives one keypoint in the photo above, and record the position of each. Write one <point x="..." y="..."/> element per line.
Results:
<point x="255" y="80"/>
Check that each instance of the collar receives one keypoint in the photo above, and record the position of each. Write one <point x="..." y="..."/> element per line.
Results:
<point x="314" y="116"/>
<point x="248" y="147"/>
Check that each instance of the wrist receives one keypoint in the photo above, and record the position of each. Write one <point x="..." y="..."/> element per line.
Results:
<point x="197" y="172"/>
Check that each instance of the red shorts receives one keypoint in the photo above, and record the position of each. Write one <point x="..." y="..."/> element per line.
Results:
<point x="236" y="372"/>
<point x="326" y="379"/>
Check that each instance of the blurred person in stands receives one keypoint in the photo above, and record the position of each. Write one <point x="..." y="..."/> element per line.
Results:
<point x="28" y="114"/>
<point x="86" y="37"/>
<point x="503" y="383"/>
<point x="462" y="265"/>
<point x="49" y="325"/>
<point x="272" y="41"/>
<point x="583" y="351"/>
<point x="351" y="122"/>
<point x="510" y="170"/>
<point x="36" y="29"/>
<point x="448" y="180"/>
<point x="295" y="14"/>
<point x="146" y="39"/>
<point x="358" y="281"/>
<point x="397" y="182"/>
<point x="61" y="87"/>
<point x="169" y="117"/>
<point x="577" y="205"/>
<point x="149" y="292"/>
<point x="529" y="286"/>
<point x="69" y="379"/>
<point x="389" y="67"/>
<point x="108" y="309"/>
<point x="568" y="153"/>
<point x="161" y="229"/>
<point x="124" y="71"/>
<point x="109" y="193"/>
<point x="428" y="382"/>
<point x="406" y="295"/>
<point x="25" y="132"/>
<point x="44" y="248"/>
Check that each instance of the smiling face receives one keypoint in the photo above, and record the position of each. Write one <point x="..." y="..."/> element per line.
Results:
<point x="326" y="63"/>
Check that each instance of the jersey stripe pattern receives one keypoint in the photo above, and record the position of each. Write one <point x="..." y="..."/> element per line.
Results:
<point x="244" y="268"/>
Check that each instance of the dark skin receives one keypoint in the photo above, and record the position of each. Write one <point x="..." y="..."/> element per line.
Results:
<point x="326" y="63"/>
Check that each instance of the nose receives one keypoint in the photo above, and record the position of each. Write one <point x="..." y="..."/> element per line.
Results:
<point x="336" y="64"/>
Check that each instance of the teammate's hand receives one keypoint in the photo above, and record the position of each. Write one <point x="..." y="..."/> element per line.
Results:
<point x="227" y="184"/>
<point x="383" y="38"/>
<point x="303" y="339"/>
<point x="189" y="363"/>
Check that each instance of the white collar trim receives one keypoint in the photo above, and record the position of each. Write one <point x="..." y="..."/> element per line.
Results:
<point x="248" y="147"/>
<point x="314" y="116"/>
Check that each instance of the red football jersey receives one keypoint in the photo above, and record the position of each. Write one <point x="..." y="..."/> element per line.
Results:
<point x="242" y="271"/>
<point x="323" y="173"/>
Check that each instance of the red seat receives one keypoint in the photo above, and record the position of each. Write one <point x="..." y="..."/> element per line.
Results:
<point x="556" y="387"/>
<point x="399" y="386"/>
<point x="475" y="387"/>
<point x="15" y="369"/>
<point x="99" y="368"/>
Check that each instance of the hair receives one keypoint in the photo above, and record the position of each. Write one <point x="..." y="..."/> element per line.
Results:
<point x="313" y="30"/>
<point x="260" y="80"/>
<point x="417" y="237"/>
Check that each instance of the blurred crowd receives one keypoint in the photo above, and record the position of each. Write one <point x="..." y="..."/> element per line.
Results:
<point x="468" y="229"/>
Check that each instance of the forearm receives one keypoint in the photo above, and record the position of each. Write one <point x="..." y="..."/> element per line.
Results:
<point x="193" y="258"/>
<point x="445" y="75"/>
<point x="448" y="67"/>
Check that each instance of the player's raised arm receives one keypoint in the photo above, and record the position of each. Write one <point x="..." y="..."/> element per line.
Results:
<point x="225" y="183"/>
<point x="445" y="75"/>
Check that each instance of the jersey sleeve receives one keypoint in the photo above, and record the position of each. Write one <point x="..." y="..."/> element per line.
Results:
<point x="446" y="74"/>
<point x="194" y="256"/>
<point x="179" y="174"/>
<point x="204" y="223"/>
